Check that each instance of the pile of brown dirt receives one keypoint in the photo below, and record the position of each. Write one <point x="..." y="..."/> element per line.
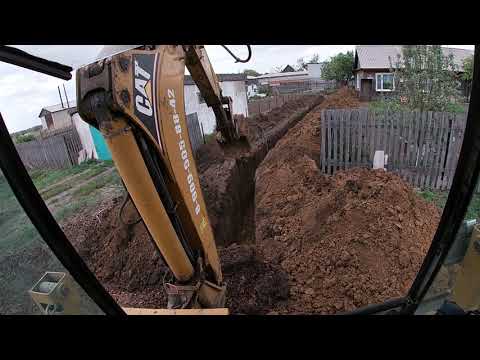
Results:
<point x="125" y="259"/>
<point x="343" y="98"/>
<point x="324" y="244"/>
<point x="345" y="241"/>
<point x="227" y="172"/>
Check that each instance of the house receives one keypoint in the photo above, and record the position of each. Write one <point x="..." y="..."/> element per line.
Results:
<point x="274" y="79"/>
<point x="296" y="81"/>
<point x="233" y="85"/>
<point x="373" y="63"/>
<point x="56" y="116"/>
<point x="288" y="68"/>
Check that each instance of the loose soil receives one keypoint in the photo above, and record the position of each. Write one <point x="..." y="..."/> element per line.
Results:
<point x="345" y="241"/>
<point x="125" y="259"/>
<point x="291" y="240"/>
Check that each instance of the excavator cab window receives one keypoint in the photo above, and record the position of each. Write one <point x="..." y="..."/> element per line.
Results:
<point x="446" y="282"/>
<point x="26" y="287"/>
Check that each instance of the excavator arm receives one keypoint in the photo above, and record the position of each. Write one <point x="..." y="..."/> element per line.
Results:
<point x="136" y="100"/>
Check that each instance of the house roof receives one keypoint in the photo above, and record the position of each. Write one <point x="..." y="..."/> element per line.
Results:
<point x="274" y="75"/>
<point x="221" y="77"/>
<point x="288" y="68"/>
<point x="378" y="56"/>
<point x="57" y="107"/>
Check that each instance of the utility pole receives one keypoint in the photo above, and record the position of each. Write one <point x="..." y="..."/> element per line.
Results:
<point x="60" y="94"/>
<point x="66" y="97"/>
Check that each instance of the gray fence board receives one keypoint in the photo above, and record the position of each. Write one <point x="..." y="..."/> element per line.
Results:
<point x="194" y="132"/>
<point x="423" y="148"/>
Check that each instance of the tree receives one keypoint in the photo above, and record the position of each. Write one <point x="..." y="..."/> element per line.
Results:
<point x="277" y="69"/>
<point x="339" y="67"/>
<point x="424" y="78"/>
<point x="468" y="69"/>
<point x="302" y="63"/>
<point x="251" y="72"/>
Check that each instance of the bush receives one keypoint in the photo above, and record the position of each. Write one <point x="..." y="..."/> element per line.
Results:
<point x="24" y="138"/>
<point x="454" y="108"/>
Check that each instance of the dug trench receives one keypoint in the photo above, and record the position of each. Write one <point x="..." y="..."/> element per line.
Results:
<point x="127" y="263"/>
<point x="291" y="239"/>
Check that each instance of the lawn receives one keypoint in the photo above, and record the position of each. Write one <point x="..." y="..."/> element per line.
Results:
<point x="17" y="230"/>
<point x="439" y="198"/>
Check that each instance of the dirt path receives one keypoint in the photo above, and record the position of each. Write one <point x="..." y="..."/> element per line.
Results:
<point x="58" y="201"/>
<point x="70" y="178"/>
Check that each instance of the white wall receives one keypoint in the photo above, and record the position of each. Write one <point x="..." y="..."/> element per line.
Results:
<point x="235" y="89"/>
<point x="314" y="70"/>
<point x="44" y="123"/>
<point x="61" y="119"/>
<point x="83" y="130"/>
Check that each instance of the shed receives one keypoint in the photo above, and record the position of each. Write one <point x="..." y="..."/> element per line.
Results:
<point x="233" y="85"/>
<point x="56" y="116"/>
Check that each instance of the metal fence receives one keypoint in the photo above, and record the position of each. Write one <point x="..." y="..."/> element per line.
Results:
<point x="54" y="150"/>
<point x="304" y="86"/>
<point x="266" y="104"/>
<point x="423" y="148"/>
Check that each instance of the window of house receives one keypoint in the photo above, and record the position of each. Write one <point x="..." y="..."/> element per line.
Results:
<point x="201" y="100"/>
<point x="384" y="82"/>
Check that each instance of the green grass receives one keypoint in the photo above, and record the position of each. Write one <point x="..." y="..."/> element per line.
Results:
<point x="56" y="190"/>
<point x="439" y="198"/>
<point x="209" y="138"/>
<point x="96" y="184"/>
<point x="16" y="229"/>
<point x="392" y="105"/>
<point x="45" y="178"/>
<point x="86" y="172"/>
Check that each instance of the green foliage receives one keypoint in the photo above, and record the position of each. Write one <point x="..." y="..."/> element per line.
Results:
<point x="264" y="89"/>
<point x="425" y="78"/>
<point x="454" y="107"/>
<point x="468" y="69"/>
<point x="24" y="138"/>
<point x="439" y="198"/>
<point x="387" y="104"/>
<point x="251" y="72"/>
<point x="339" y="67"/>
<point x="96" y="184"/>
<point x="209" y="138"/>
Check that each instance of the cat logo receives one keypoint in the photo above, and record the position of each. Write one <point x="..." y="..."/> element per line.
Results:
<point x="143" y="85"/>
<point x="143" y="89"/>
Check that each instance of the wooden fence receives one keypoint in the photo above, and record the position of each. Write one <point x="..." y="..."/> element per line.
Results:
<point x="266" y="104"/>
<point x="423" y="148"/>
<point x="55" y="150"/>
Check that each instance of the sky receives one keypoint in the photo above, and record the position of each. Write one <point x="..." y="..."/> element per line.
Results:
<point x="23" y="93"/>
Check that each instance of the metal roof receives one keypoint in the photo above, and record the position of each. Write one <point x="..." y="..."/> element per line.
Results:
<point x="274" y="75"/>
<point x="221" y="77"/>
<point x="57" y="107"/>
<point x="378" y="56"/>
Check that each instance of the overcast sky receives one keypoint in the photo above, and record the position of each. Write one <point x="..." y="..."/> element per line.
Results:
<point x="23" y="93"/>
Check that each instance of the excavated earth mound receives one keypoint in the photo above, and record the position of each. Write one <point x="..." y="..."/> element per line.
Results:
<point x="125" y="259"/>
<point x="291" y="240"/>
<point x="345" y="241"/>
